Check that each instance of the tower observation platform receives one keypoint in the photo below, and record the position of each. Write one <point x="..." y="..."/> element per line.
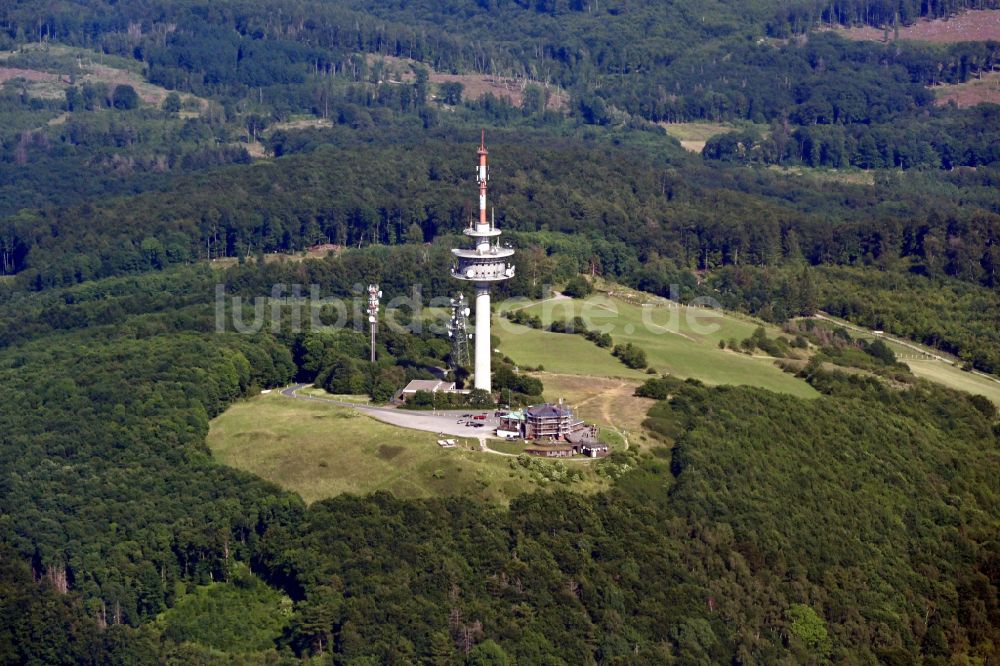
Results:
<point x="483" y="264"/>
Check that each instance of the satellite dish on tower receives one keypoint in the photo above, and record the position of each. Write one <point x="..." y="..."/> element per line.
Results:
<point x="371" y="320"/>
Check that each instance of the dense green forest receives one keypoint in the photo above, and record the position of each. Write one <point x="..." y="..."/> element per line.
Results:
<point x="618" y="61"/>
<point x="683" y="559"/>
<point x="599" y="191"/>
<point x="583" y="215"/>
<point x="752" y="528"/>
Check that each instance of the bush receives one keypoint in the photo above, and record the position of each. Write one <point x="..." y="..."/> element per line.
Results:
<point x="881" y="351"/>
<point x="125" y="97"/>
<point x="600" y="339"/>
<point x="172" y="103"/>
<point x="480" y="398"/>
<point x="524" y="319"/>
<point x="451" y="92"/>
<point x="658" y="389"/>
<point x="578" y="287"/>
<point x="631" y="355"/>
<point x="777" y="347"/>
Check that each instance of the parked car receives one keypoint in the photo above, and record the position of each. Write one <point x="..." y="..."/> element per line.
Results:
<point x="480" y="417"/>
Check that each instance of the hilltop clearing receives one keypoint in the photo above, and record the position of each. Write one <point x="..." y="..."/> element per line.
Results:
<point x="322" y="450"/>
<point x="475" y="86"/>
<point x="49" y="69"/>
<point x="984" y="90"/>
<point x="976" y="25"/>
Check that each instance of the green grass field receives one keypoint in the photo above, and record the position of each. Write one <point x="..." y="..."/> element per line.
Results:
<point x="320" y="450"/>
<point x="693" y="136"/>
<point x="956" y="378"/>
<point x="926" y="366"/>
<point x="679" y="340"/>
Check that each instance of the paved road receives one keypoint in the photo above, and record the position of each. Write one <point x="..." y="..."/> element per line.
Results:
<point x="444" y="422"/>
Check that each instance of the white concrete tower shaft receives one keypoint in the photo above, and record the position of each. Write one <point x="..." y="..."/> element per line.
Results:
<point x="484" y="370"/>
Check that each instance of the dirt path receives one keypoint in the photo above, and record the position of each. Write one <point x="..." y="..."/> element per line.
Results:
<point x="606" y="411"/>
<point x="557" y="296"/>
<point x="604" y="403"/>
<point x="667" y="330"/>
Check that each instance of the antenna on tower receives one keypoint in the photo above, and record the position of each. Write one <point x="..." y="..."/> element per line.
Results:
<point x="373" y="297"/>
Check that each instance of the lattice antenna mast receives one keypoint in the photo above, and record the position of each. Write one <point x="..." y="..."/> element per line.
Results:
<point x="458" y="331"/>
<point x="373" y="297"/>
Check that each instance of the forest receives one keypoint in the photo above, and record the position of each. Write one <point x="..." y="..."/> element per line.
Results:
<point x="231" y="137"/>
<point x="313" y="58"/>
<point x="557" y="578"/>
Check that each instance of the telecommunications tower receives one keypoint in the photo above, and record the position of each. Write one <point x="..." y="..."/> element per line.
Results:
<point x="483" y="265"/>
<point x="373" y="295"/>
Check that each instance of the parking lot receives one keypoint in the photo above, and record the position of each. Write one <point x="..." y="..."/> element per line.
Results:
<point x="448" y="422"/>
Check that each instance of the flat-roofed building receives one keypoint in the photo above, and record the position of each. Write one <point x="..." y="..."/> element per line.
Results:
<point x="552" y="451"/>
<point x="428" y="385"/>
<point x="511" y="425"/>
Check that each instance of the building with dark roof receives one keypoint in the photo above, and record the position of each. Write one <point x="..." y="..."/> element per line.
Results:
<point x="548" y="422"/>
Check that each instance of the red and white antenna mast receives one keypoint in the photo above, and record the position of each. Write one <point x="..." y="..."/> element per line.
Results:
<point x="482" y="176"/>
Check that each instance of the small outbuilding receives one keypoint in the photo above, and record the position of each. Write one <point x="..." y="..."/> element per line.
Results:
<point x="511" y="425"/>
<point x="428" y="385"/>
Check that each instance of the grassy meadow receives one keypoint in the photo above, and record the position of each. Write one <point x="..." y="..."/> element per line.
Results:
<point x="924" y="365"/>
<point x="956" y="378"/>
<point x="694" y="135"/>
<point x="680" y="340"/>
<point x="321" y="450"/>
